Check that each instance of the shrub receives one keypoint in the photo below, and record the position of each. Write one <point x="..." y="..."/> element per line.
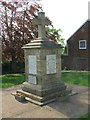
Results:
<point x="12" y="67"/>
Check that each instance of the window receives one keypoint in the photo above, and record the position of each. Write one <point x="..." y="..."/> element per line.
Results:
<point x="82" y="44"/>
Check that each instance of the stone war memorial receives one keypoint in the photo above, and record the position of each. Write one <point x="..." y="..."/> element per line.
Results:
<point x="42" y="68"/>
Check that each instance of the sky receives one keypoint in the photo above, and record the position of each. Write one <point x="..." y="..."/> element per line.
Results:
<point x="67" y="15"/>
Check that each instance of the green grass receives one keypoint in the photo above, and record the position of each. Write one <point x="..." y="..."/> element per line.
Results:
<point x="11" y="80"/>
<point x="85" y="117"/>
<point x="78" y="78"/>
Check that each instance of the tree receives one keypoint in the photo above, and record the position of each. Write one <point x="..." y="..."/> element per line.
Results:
<point x="17" y="28"/>
<point x="55" y="34"/>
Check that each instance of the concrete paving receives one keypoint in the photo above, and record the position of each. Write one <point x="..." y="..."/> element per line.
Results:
<point x="73" y="107"/>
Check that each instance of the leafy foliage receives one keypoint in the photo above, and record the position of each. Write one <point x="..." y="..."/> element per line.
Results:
<point x="55" y="34"/>
<point x="17" y="28"/>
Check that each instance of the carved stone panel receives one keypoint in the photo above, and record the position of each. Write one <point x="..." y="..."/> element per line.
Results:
<point x="32" y="79"/>
<point x="51" y="64"/>
<point x="32" y="62"/>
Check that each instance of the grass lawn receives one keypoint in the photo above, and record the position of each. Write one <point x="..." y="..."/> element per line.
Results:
<point x="11" y="80"/>
<point x="85" y="117"/>
<point x="78" y="78"/>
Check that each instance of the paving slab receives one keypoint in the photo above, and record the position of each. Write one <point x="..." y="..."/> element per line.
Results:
<point x="73" y="107"/>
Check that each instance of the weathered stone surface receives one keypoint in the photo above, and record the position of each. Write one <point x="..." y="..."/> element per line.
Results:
<point x="41" y="22"/>
<point x="43" y="67"/>
<point x="43" y="91"/>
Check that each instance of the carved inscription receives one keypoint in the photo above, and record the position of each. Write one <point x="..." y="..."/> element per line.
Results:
<point x="32" y="79"/>
<point x="51" y="64"/>
<point x="32" y="64"/>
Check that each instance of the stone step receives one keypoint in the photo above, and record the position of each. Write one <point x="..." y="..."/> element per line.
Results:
<point x="39" y="98"/>
<point x="29" y="95"/>
<point x="40" y="103"/>
<point x="35" y="99"/>
<point x="44" y="99"/>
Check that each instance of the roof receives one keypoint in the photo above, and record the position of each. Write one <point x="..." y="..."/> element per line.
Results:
<point x="78" y="29"/>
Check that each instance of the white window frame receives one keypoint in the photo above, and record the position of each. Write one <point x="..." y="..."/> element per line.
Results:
<point x="85" y="44"/>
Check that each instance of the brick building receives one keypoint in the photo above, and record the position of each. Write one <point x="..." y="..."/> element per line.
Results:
<point x="77" y="56"/>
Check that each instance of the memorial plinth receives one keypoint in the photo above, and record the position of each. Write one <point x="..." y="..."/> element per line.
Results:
<point x="42" y="68"/>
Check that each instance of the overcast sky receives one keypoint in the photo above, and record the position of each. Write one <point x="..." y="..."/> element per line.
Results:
<point x="68" y="15"/>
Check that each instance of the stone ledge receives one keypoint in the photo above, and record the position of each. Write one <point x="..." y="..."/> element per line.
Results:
<point x="44" y="92"/>
<point x="40" y="103"/>
<point x="46" y="99"/>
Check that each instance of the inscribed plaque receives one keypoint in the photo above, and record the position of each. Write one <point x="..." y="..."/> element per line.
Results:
<point x="51" y="64"/>
<point x="32" y="64"/>
<point x="32" y="79"/>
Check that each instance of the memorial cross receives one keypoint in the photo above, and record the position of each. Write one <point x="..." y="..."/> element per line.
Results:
<point x="41" y="21"/>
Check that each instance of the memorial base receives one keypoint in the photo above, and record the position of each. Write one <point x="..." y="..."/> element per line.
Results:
<point x="45" y="96"/>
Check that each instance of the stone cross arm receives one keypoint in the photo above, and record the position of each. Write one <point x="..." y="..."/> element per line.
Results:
<point x="41" y="21"/>
<point x="37" y="21"/>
